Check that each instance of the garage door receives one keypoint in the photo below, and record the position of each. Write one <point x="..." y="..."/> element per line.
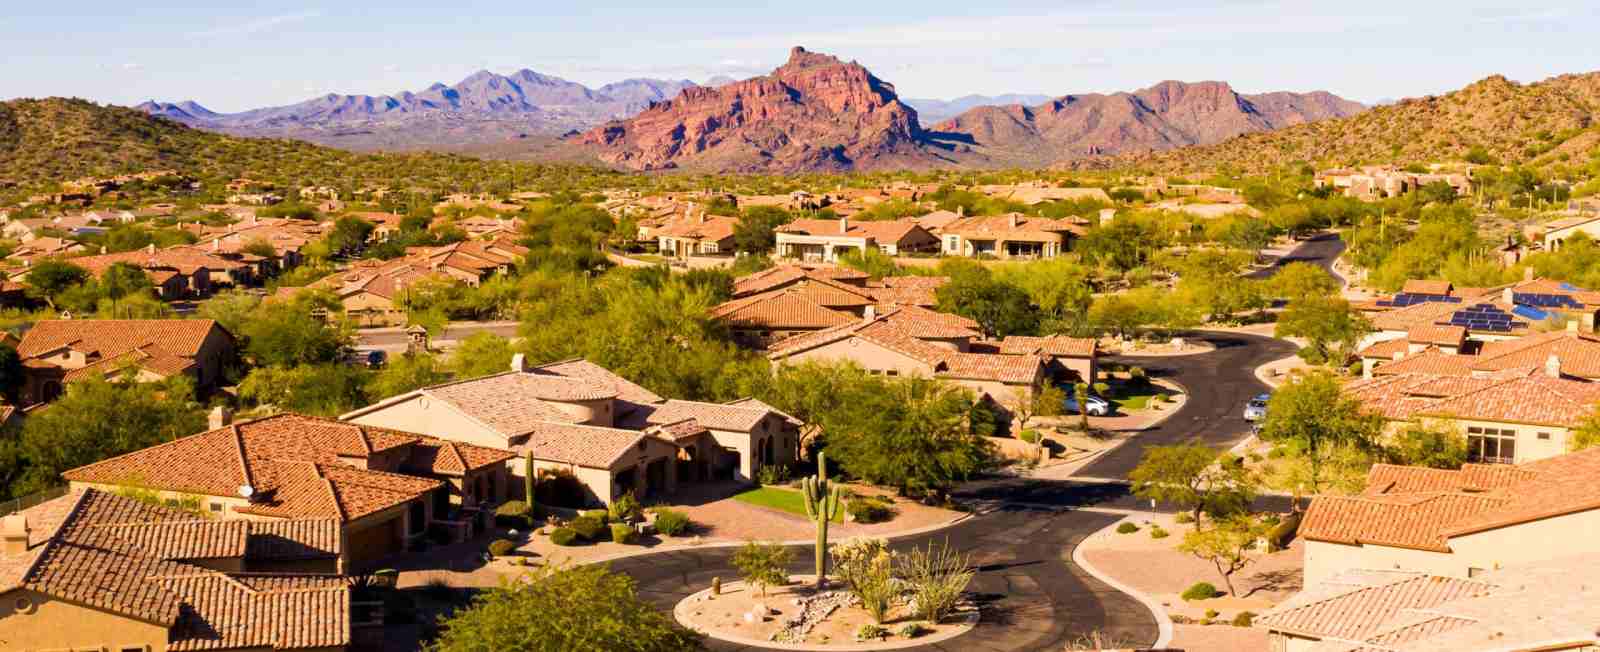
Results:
<point x="370" y="544"/>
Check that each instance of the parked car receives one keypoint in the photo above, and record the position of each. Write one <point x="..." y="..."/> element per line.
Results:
<point x="1098" y="407"/>
<point x="1256" y="409"/>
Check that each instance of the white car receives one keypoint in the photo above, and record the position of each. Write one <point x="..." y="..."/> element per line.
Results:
<point x="1256" y="409"/>
<point x="1098" y="407"/>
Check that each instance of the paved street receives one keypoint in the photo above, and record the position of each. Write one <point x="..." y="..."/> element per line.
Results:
<point x="394" y="339"/>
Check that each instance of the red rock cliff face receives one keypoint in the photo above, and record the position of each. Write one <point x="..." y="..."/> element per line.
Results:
<point x="813" y="113"/>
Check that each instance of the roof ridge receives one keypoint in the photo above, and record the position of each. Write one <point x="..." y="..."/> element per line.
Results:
<point x="333" y="491"/>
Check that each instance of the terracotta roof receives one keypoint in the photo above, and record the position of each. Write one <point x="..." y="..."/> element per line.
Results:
<point x="590" y="446"/>
<point x="592" y="373"/>
<point x="1423" y="286"/>
<point x="713" y="228"/>
<point x="1435" y="334"/>
<point x="1054" y="345"/>
<point x="1009" y="369"/>
<point x="1362" y="612"/>
<point x="757" y="403"/>
<point x="1386" y="349"/>
<point x="1023" y="226"/>
<point x="1393" y="478"/>
<point x="716" y="416"/>
<point x="1533" y="400"/>
<point x="1412" y="520"/>
<point x="110" y="338"/>
<point x="117" y="554"/>
<point x="779" y="309"/>
<point x="1578" y="354"/>
<point x="1429" y="361"/>
<point x="295" y="463"/>
<point x="922" y="323"/>
<point x="907" y="290"/>
<point x="510" y="402"/>
<point x="775" y="277"/>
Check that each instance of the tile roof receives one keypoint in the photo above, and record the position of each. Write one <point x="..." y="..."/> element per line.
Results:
<point x="1387" y="349"/>
<point x="1054" y="345"/>
<point x="1362" y="612"/>
<point x="779" y="309"/>
<point x="781" y="275"/>
<point x="1578" y="354"/>
<point x="716" y="416"/>
<point x="110" y="338"/>
<point x="1009" y="369"/>
<point x="1533" y="400"/>
<point x="590" y="372"/>
<point x="298" y="466"/>
<point x="119" y="555"/>
<point x="1013" y="225"/>
<point x="591" y="446"/>
<point x="1435" y="334"/>
<point x="923" y="323"/>
<point x="1429" y="361"/>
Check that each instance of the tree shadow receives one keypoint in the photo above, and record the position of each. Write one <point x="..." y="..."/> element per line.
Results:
<point x="1279" y="580"/>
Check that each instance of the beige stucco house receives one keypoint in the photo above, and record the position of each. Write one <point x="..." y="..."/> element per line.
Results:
<point x="614" y="437"/>
<point x="825" y="240"/>
<point x="57" y="351"/>
<point x="1010" y="236"/>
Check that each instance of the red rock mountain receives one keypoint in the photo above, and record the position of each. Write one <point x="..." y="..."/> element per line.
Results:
<point x="1165" y="116"/>
<point x="813" y="113"/>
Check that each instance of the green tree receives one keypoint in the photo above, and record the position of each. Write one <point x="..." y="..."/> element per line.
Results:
<point x="755" y="232"/>
<point x="98" y="418"/>
<point x="231" y="309"/>
<point x="1435" y="448"/>
<point x="289" y="333"/>
<point x="481" y="354"/>
<point x="49" y="278"/>
<point x="763" y="564"/>
<point x="321" y="389"/>
<point x="1059" y="288"/>
<point x="1194" y="477"/>
<point x="1331" y="327"/>
<point x="871" y="262"/>
<point x="1226" y="545"/>
<point x="405" y="373"/>
<point x="1299" y="281"/>
<point x="1000" y="308"/>
<point x="580" y="608"/>
<point x="11" y="373"/>
<point x="912" y="434"/>
<point x="349" y="234"/>
<point x="1316" y="421"/>
<point x="122" y="280"/>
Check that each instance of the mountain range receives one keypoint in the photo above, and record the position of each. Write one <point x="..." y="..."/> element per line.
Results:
<point x="932" y="111"/>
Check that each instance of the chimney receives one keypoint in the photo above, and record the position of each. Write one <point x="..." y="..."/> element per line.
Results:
<point x="1508" y="297"/>
<point x="844" y="224"/>
<point x="1552" y="366"/>
<point x="870" y="314"/>
<point x="961" y="211"/>
<point x="14" y="535"/>
<point x="1527" y="274"/>
<point x="218" y="417"/>
<point x="150" y="248"/>
<point x="1573" y="325"/>
<point x="519" y="362"/>
<point x="1399" y="355"/>
<point x="1013" y="220"/>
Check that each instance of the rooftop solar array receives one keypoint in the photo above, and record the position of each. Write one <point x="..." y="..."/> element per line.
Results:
<point x="1545" y="300"/>
<point x="1404" y="299"/>
<point x="1483" y="317"/>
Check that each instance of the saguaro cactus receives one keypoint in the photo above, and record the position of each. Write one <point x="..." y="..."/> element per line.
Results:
<point x="527" y="484"/>
<point x="822" y="505"/>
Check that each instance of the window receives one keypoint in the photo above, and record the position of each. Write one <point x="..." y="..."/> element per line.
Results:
<point x="1491" y="445"/>
<point x="1544" y="435"/>
<point x="892" y="372"/>
<point x="216" y="507"/>
<point x="1474" y="572"/>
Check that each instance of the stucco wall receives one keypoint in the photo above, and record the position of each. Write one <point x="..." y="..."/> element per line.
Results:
<point x="433" y="418"/>
<point x="1324" y="560"/>
<point x="1530" y="445"/>
<point x="55" y="624"/>
<point x="1519" y="544"/>
<point x="870" y="356"/>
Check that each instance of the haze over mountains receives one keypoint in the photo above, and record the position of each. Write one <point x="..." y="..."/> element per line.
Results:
<point x="814" y="112"/>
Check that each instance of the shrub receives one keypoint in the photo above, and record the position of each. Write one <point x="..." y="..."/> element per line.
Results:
<point x="1137" y="377"/>
<point x="867" y="568"/>
<point x="772" y="474"/>
<point x="871" y="632"/>
<point x="1244" y="619"/>
<point x="912" y="630"/>
<point x="513" y="514"/>
<point x="1200" y="591"/>
<point x="1275" y="453"/>
<point x="1184" y="517"/>
<point x="763" y="564"/>
<point x="597" y="514"/>
<point x="1030" y="435"/>
<point x="501" y="547"/>
<point x="1102" y="389"/>
<point x="1158" y="533"/>
<point x="1127" y="528"/>
<point x="1212" y="613"/>
<point x="563" y="536"/>
<point x="625" y="509"/>
<point x="672" y="523"/>
<point x="870" y="509"/>
<point x="587" y="527"/>
<point x="937" y="577"/>
<point x="623" y="533"/>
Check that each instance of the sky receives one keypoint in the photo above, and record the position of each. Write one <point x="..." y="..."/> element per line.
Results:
<point x="271" y="52"/>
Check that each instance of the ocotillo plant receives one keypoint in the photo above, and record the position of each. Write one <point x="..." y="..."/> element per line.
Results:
<point x="822" y="505"/>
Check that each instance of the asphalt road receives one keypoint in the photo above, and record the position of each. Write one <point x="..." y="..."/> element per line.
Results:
<point x="1320" y="249"/>
<point x="395" y="338"/>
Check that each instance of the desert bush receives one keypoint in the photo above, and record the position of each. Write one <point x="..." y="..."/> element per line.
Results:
<point x="869" y="509"/>
<point x="772" y="474"/>
<point x="1212" y="613"/>
<point x="563" y="536"/>
<point x="512" y="514"/>
<point x="587" y="527"/>
<point x="871" y="632"/>
<point x="623" y="533"/>
<point x="867" y="567"/>
<point x="1137" y="377"/>
<point x="625" y="509"/>
<point x="672" y="523"/>
<point x="1030" y="435"/>
<point x="937" y="577"/>
<point x="763" y="564"/>
<point x="1184" y="517"/>
<point x="601" y="515"/>
<point x="501" y="547"/>
<point x="912" y="630"/>
<point x="1127" y="528"/>
<point x="1200" y="591"/>
<point x="1157" y="532"/>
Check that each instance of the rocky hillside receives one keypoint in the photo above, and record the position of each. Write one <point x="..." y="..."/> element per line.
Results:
<point x="815" y="112"/>
<point x="1493" y="119"/>
<point x="1165" y="116"/>
<point x="935" y="111"/>
<point x="484" y="107"/>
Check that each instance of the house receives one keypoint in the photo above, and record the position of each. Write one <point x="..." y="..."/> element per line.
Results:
<point x="1077" y="356"/>
<point x="93" y="570"/>
<point x="176" y="272"/>
<point x="1032" y="194"/>
<point x="1375" y="182"/>
<point x="1456" y="523"/>
<point x="34" y="250"/>
<point x="757" y="321"/>
<point x="1575" y="356"/>
<point x="1507" y="417"/>
<point x="697" y="235"/>
<point x="372" y="292"/>
<point x="581" y="422"/>
<point x="781" y="276"/>
<point x="57" y="351"/>
<point x="1011" y="236"/>
<point x="471" y="261"/>
<point x="911" y="341"/>
<point x="385" y="488"/>
<point x="824" y="240"/>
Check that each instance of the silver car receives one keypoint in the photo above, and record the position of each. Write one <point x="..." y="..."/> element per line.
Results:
<point x="1256" y="409"/>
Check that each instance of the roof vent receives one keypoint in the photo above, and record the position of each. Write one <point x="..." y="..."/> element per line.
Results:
<point x="247" y="492"/>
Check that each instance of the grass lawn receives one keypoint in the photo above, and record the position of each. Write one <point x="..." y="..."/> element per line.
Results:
<point x="780" y="499"/>
<point x="1136" y="401"/>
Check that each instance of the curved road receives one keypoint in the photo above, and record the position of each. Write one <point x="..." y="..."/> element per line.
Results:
<point x="1033" y="596"/>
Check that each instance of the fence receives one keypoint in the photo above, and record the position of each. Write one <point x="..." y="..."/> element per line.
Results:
<point x="19" y="504"/>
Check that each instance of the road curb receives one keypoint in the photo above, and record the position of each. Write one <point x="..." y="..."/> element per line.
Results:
<point x="1163" y="621"/>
